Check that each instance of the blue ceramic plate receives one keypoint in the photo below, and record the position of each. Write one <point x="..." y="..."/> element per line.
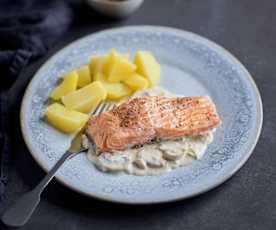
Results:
<point x="191" y="65"/>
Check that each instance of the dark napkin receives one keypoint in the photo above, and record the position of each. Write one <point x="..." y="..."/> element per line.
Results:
<point x="27" y="29"/>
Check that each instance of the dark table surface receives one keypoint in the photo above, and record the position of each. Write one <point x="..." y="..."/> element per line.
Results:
<point x="247" y="28"/>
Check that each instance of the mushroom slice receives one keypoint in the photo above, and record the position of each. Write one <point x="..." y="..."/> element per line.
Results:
<point x="140" y="163"/>
<point x="172" y="150"/>
<point x="152" y="157"/>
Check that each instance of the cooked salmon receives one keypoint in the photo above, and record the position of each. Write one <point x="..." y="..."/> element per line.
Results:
<point x="141" y="120"/>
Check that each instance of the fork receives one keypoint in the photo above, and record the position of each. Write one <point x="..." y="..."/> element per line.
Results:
<point x="20" y="212"/>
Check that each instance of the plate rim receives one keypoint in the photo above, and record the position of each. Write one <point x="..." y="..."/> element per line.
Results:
<point x="165" y="29"/>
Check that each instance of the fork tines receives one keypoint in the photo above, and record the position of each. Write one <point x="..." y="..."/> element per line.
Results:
<point x="102" y="107"/>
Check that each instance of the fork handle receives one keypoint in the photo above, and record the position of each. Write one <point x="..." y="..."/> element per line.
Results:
<point x="20" y="212"/>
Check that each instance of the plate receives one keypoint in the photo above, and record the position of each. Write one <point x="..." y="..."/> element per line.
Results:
<point x="191" y="65"/>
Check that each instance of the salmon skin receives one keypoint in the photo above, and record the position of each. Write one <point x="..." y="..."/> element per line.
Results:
<point x="143" y="119"/>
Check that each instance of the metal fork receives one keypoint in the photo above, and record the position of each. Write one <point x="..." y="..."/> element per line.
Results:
<point x="20" y="212"/>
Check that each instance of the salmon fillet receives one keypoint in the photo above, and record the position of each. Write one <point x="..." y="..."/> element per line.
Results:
<point x="141" y="120"/>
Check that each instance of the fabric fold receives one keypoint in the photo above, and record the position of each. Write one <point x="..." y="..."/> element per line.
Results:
<point x="27" y="29"/>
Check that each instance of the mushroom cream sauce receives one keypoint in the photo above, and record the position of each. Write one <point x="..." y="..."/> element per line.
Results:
<point x="154" y="158"/>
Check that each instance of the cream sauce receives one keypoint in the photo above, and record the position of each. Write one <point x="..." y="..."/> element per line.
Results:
<point x="154" y="158"/>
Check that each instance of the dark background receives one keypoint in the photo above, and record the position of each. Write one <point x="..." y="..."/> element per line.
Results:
<point x="247" y="28"/>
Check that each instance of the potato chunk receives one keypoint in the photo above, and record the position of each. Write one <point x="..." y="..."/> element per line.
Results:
<point x="100" y="77"/>
<point x="68" y="85"/>
<point x="117" y="68"/>
<point x="148" y="67"/>
<point x="136" y="82"/>
<point x="126" y="55"/>
<point x="84" y="76"/>
<point x="97" y="64"/>
<point x="116" y="90"/>
<point x="86" y="98"/>
<point x="66" y="120"/>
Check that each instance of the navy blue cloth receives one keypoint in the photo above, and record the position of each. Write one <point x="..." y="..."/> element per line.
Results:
<point x="27" y="29"/>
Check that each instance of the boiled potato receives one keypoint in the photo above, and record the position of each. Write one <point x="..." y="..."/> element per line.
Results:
<point x="117" y="68"/>
<point x="84" y="76"/>
<point x="126" y="55"/>
<point x="148" y="67"/>
<point x="68" y="85"/>
<point x="85" y="99"/>
<point x="136" y="82"/>
<point x="116" y="91"/>
<point x="100" y="77"/>
<point x="97" y="64"/>
<point x="64" y="119"/>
